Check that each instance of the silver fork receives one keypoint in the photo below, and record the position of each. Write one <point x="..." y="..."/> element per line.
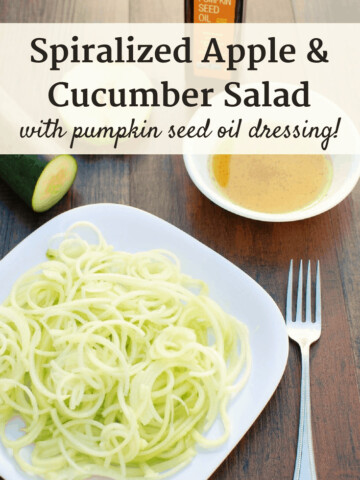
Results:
<point x="304" y="333"/>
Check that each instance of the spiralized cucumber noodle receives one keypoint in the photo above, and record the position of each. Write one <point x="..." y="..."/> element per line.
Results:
<point x="117" y="363"/>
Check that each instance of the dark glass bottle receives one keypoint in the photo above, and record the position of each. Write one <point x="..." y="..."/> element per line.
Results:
<point x="216" y="11"/>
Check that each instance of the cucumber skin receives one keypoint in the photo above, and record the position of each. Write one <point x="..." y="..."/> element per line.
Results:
<point x="21" y="173"/>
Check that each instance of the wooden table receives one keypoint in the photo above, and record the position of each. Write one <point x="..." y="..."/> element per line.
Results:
<point x="160" y="185"/>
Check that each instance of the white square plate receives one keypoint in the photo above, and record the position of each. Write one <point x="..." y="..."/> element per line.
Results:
<point x="133" y="230"/>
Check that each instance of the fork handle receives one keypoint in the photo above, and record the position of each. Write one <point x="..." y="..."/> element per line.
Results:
<point x="305" y="462"/>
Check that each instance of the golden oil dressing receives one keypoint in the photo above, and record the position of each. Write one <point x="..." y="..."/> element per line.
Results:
<point x="272" y="183"/>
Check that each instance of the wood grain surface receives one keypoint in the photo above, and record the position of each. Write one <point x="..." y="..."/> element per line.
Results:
<point x="160" y="185"/>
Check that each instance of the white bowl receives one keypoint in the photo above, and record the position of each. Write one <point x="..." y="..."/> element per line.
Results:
<point x="346" y="173"/>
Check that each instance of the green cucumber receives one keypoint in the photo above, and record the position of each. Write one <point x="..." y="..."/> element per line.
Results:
<point x="40" y="180"/>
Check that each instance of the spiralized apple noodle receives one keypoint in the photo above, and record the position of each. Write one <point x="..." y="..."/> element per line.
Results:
<point x="117" y="363"/>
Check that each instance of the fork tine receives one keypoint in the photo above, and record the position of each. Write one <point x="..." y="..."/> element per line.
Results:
<point x="298" y="317"/>
<point x="308" y="294"/>
<point x="318" y="295"/>
<point x="289" y="294"/>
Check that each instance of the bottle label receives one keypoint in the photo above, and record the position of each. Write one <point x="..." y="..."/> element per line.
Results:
<point x="214" y="11"/>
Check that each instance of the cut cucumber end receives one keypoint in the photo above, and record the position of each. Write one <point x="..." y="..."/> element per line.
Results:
<point x="54" y="182"/>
